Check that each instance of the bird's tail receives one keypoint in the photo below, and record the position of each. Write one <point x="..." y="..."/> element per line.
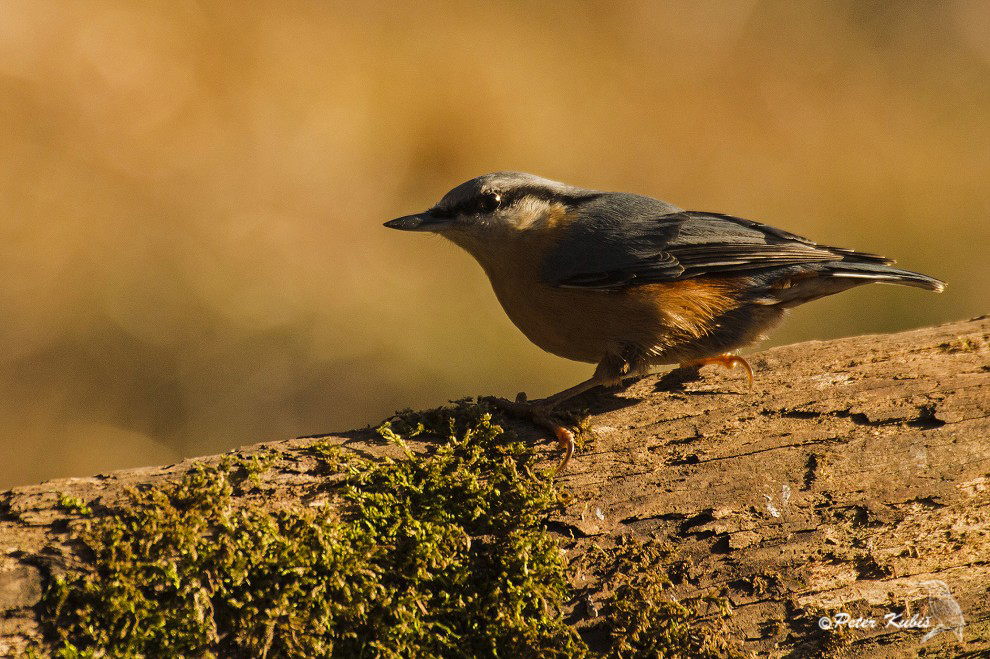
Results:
<point x="883" y="274"/>
<point x="817" y="280"/>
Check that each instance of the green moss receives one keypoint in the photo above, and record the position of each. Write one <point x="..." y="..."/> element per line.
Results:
<point x="437" y="554"/>
<point x="644" y="620"/>
<point x="74" y="505"/>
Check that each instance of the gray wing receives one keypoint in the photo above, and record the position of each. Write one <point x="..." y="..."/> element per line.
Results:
<point x="626" y="240"/>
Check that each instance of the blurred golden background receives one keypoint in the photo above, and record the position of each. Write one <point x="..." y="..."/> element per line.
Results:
<point x="192" y="193"/>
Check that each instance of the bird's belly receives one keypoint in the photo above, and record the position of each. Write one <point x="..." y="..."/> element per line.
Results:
<point x="584" y="325"/>
<point x="664" y="323"/>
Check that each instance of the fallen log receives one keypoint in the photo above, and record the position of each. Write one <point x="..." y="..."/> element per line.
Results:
<point x="840" y="506"/>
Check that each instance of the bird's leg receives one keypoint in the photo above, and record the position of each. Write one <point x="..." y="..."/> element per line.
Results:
<point x="542" y="416"/>
<point x="540" y="412"/>
<point x="726" y="360"/>
<point x="556" y="399"/>
<point x="609" y="372"/>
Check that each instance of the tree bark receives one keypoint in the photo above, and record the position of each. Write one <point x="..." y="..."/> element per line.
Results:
<point x="853" y="478"/>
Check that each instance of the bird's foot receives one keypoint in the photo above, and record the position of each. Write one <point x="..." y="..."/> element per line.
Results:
<point x="542" y="416"/>
<point x="728" y="361"/>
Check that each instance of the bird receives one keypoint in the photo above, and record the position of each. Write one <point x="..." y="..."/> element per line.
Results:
<point x="629" y="282"/>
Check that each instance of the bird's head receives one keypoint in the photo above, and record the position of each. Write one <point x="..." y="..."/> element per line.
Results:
<point x="495" y="206"/>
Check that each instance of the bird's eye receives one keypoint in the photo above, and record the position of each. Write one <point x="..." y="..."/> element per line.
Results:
<point x="489" y="202"/>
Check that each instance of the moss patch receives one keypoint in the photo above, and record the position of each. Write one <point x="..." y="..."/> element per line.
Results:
<point x="645" y="622"/>
<point x="439" y="554"/>
<point x="639" y="617"/>
<point x="73" y="505"/>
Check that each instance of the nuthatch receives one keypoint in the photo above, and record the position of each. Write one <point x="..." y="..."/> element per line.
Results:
<point x="627" y="282"/>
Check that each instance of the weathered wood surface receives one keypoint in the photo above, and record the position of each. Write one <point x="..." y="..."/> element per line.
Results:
<point x="855" y="472"/>
<point x="854" y="475"/>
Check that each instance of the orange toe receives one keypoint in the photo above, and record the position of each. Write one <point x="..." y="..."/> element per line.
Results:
<point x="566" y="439"/>
<point x="541" y="416"/>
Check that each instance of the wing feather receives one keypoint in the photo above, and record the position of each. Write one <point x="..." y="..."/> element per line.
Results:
<point x="646" y="246"/>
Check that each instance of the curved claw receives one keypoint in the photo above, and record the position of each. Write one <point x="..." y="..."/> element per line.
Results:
<point x="732" y="361"/>
<point x="566" y="439"/>
<point x="728" y="361"/>
<point x="541" y="417"/>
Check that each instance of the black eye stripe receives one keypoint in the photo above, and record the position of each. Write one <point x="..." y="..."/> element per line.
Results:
<point x="482" y="203"/>
<point x="489" y="201"/>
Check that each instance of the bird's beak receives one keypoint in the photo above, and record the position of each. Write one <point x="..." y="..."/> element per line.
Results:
<point x="424" y="221"/>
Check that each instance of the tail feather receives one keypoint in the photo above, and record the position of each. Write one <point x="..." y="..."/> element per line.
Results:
<point x="884" y="274"/>
<point x="814" y="281"/>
